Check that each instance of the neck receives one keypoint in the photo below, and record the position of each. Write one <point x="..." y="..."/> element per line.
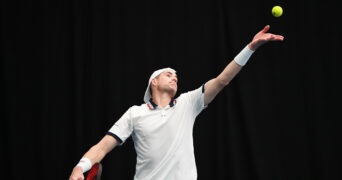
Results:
<point x="162" y="100"/>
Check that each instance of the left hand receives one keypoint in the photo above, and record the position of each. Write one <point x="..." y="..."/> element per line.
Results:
<point x="262" y="37"/>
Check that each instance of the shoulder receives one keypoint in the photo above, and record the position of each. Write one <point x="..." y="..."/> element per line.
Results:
<point x="137" y="109"/>
<point x="195" y="92"/>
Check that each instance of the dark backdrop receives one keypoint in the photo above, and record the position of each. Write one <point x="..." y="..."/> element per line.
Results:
<point x="71" y="68"/>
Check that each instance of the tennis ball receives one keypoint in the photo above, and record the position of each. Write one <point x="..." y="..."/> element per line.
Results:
<point x="277" y="11"/>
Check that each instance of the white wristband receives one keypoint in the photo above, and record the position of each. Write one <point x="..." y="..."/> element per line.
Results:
<point x="243" y="56"/>
<point x="85" y="164"/>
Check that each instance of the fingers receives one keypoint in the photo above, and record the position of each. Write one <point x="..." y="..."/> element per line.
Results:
<point x="277" y="37"/>
<point x="266" y="28"/>
<point x="273" y="36"/>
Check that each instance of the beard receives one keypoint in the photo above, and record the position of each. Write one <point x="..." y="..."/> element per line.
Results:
<point x="172" y="90"/>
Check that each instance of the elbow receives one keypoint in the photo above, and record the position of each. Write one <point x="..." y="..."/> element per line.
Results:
<point x="221" y="82"/>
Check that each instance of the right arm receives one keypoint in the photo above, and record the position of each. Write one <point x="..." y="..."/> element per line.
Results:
<point x="95" y="154"/>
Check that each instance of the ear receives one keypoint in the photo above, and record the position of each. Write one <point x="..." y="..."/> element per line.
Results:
<point x="154" y="82"/>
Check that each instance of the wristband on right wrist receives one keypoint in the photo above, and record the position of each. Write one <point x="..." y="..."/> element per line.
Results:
<point x="243" y="56"/>
<point x="85" y="164"/>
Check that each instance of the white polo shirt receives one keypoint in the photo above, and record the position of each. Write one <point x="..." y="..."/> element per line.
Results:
<point x="163" y="137"/>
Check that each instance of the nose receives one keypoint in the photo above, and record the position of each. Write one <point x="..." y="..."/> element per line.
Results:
<point x="175" y="79"/>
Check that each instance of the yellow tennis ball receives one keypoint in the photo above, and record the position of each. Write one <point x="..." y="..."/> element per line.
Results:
<point x="277" y="11"/>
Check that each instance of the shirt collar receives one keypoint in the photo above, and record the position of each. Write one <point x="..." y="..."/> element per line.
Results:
<point x="151" y="105"/>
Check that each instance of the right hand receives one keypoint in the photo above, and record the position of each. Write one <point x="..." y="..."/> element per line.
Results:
<point x="77" y="174"/>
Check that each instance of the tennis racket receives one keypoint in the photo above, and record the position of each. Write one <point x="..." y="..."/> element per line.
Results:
<point x="95" y="172"/>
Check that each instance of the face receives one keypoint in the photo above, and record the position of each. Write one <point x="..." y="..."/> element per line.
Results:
<point x="167" y="81"/>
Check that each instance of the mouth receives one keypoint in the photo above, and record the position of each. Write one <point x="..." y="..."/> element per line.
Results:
<point x="173" y="84"/>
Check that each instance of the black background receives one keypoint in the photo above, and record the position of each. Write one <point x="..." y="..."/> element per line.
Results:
<point x="71" y="68"/>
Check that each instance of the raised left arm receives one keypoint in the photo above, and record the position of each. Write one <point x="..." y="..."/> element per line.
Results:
<point x="215" y="85"/>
